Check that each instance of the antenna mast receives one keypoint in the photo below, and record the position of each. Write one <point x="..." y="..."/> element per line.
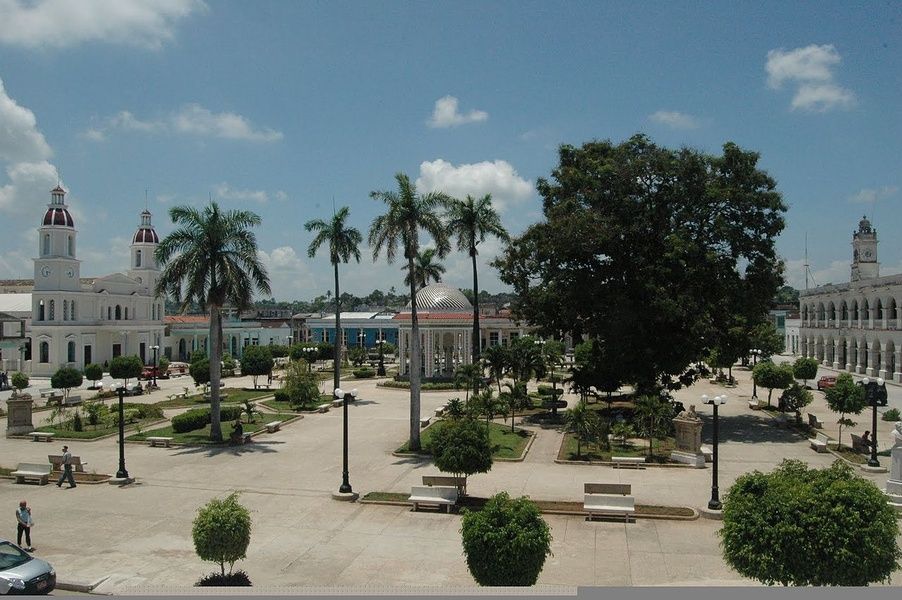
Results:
<point x="807" y="266"/>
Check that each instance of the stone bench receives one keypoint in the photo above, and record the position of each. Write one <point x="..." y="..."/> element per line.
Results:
<point x="444" y="496"/>
<point x="273" y="426"/>
<point x="323" y="408"/>
<point x="424" y="421"/>
<point x="623" y="489"/>
<point x="155" y="441"/>
<point x="609" y="505"/>
<point x="41" y="436"/>
<point x="815" y="422"/>
<point x="819" y="443"/>
<point x="440" y="411"/>
<point x="338" y="403"/>
<point x="56" y="461"/>
<point x="50" y="392"/>
<point x="73" y="401"/>
<point x="32" y="471"/>
<point x="859" y="445"/>
<point x="447" y="480"/>
<point x="628" y="461"/>
<point x="754" y="405"/>
<point x="708" y="453"/>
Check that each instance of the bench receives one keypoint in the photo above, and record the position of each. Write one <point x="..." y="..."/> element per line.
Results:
<point x="50" y="392"/>
<point x="859" y="445"/>
<point x="754" y="404"/>
<point x="26" y="471"/>
<point x="628" y="461"/>
<point x="155" y="441"/>
<point x="609" y="504"/>
<point x="440" y="411"/>
<point x="447" y="480"/>
<point x="273" y="426"/>
<point x="815" y="422"/>
<point x="56" y="461"/>
<point x="708" y="452"/>
<point x="323" y="408"/>
<point x="338" y="403"/>
<point x="444" y="496"/>
<point x="424" y="421"/>
<point x="41" y="436"/>
<point x="819" y="443"/>
<point x="245" y="439"/>
<point x="623" y="489"/>
<point x="73" y="401"/>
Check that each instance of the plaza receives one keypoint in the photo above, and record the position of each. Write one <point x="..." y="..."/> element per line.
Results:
<point x="136" y="539"/>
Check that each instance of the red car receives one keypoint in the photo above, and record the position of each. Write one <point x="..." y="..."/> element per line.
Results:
<point x="148" y="373"/>
<point x="826" y="382"/>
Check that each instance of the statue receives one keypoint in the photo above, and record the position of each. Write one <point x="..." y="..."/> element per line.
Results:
<point x="690" y="414"/>
<point x="897" y="435"/>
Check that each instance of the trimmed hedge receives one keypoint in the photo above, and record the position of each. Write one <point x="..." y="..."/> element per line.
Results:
<point x="199" y="418"/>
<point x="364" y="373"/>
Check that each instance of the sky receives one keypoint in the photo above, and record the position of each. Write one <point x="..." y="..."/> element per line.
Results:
<point x="283" y="108"/>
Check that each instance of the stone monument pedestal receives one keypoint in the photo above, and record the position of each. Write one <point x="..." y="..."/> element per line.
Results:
<point x="894" y="483"/>
<point x="18" y="415"/>
<point x="688" y="427"/>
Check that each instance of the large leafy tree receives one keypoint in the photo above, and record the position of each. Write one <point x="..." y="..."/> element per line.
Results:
<point x="800" y="526"/>
<point x="256" y="361"/>
<point x="343" y="242"/>
<point x="649" y="251"/>
<point x="211" y="260"/>
<point x="408" y="212"/>
<point x="426" y="269"/>
<point x="470" y="221"/>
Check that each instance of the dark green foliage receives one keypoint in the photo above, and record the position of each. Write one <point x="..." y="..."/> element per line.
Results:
<point x="198" y="355"/>
<point x="845" y="398"/>
<point x="577" y="421"/>
<point x="766" y="338"/>
<point x="364" y="373"/>
<point x="281" y="396"/>
<point x="357" y="356"/>
<point x="222" y="531"/>
<point x="506" y="542"/>
<point x="235" y="578"/>
<point x="891" y="415"/>
<point x="800" y="526"/>
<point x="163" y="365"/>
<point x="298" y="352"/>
<point x="794" y="399"/>
<point x="256" y="361"/>
<point x="301" y="386"/>
<point x="773" y="376"/>
<point x="19" y="380"/>
<point x="77" y="424"/>
<point x="426" y="270"/>
<point x="66" y="378"/>
<point x="93" y="372"/>
<point x="462" y="447"/>
<point x="95" y="411"/>
<point x="198" y="418"/>
<point x="125" y="368"/>
<point x="455" y="408"/>
<point x="200" y="371"/>
<point x="653" y="414"/>
<point x="279" y="351"/>
<point x="805" y="368"/>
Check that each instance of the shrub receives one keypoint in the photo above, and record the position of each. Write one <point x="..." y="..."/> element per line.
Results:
<point x="191" y="420"/>
<point x="66" y="378"/>
<point x="281" y="396"/>
<point x="364" y="373"/>
<point x="95" y="412"/>
<point x="235" y="578"/>
<point x="126" y="367"/>
<point x="506" y="542"/>
<point x="222" y="532"/>
<point x="800" y="526"/>
<point x="462" y="447"/>
<point x="805" y="369"/>
<point x="891" y="415"/>
<point x="200" y="371"/>
<point x="256" y="361"/>
<point x="93" y="373"/>
<point x="794" y="399"/>
<point x="279" y="351"/>
<point x="301" y="386"/>
<point x="19" y="381"/>
<point x="163" y="364"/>
<point x="77" y="424"/>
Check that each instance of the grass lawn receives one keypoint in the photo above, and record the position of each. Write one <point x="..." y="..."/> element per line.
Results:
<point x="849" y="454"/>
<point x="90" y="432"/>
<point x="589" y="452"/>
<point x="235" y="396"/>
<point x="283" y="406"/>
<point x="504" y="443"/>
<point x="202" y="436"/>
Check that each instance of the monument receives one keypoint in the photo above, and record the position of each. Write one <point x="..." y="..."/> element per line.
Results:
<point x="688" y="439"/>
<point x="894" y="483"/>
<point x="18" y="415"/>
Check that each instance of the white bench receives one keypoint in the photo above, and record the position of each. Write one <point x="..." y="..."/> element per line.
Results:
<point x="47" y="392"/>
<point x="323" y="408"/>
<point x="754" y="404"/>
<point x="424" y="421"/>
<point x="56" y="461"/>
<point x="440" y="411"/>
<point x="273" y="426"/>
<point x="609" y="504"/>
<point x="819" y="443"/>
<point x="338" y="403"/>
<point x="155" y="441"/>
<point x="41" y="436"/>
<point x="628" y="461"/>
<point x="26" y="471"/>
<point x="815" y="422"/>
<point x="444" y="496"/>
<point x="623" y="489"/>
<point x="708" y="452"/>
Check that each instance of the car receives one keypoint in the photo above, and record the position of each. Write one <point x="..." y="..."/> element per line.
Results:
<point x="150" y="372"/>
<point x="826" y="382"/>
<point x="21" y="573"/>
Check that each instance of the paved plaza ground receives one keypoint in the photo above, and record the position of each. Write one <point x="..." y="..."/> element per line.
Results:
<point x="138" y="537"/>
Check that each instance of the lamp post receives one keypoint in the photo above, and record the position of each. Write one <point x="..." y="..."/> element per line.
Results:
<point x="154" y="348"/>
<point x="716" y="401"/>
<point x="755" y="353"/>
<point x="870" y="389"/>
<point x="541" y="344"/>
<point x="381" y="370"/>
<point x="121" y="473"/>
<point x="346" y="397"/>
<point x="309" y="350"/>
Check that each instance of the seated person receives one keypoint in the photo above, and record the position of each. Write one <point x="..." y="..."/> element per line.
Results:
<point x="866" y="439"/>
<point x="237" y="436"/>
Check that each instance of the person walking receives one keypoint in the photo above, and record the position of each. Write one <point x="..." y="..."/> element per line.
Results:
<point x="66" y="475"/>
<point x="23" y="525"/>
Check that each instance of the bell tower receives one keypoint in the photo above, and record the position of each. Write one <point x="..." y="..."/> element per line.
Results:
<point x="143" y="266"/>
<point x="57" y="268"/>
<point x="864" y="252"/>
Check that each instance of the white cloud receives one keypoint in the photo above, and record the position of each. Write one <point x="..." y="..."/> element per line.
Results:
<point x="19" y="136"/>
<point x="226" y="192"/>
<point x="497" y="178"/>
<point x="191" y="119"/>
<point x="811" y="70"/>
<point x="674" y="119"/>
<point x="64" y="23"/>
<point x="870" y="195"/>
<point x="289" y="274"/>
<point x="838" y="271"/>
<point x="446" y="114"/>
<point x="29" y="182"/>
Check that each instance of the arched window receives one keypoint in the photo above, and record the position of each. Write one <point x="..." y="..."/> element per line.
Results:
<point x="65" y="310"/>
<point x="41" y="310"/>
<point x="137" y="258"/>
<point x="70" y="352"/>
<point x="72" y="310"/>
<point x="46" y="244"/>
<point x="118" y="313"/>
<point x="71" y="246"/>
<point x="52" y="309"/>
<point x="109" y="313"/>
<point x="126" y="313"/>
<point x="45" y="352"/>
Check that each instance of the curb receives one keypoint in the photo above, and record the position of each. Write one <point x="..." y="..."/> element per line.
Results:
<point x="78" y="586"/>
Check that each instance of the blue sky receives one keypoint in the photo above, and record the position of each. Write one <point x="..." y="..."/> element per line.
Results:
<point x="278" y="107"/>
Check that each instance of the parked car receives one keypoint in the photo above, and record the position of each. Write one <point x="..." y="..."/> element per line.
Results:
<point x="826" y="382"/>
<point x="177" y="368"/>
<point x="21" y="573"/>
<point x="882" y="396"/>
<point x="149" y="372"/>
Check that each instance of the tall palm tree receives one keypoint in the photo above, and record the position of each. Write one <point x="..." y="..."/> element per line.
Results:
<point x="424" y="269"/>
<point x="497" y="360"/>
<point x="407" y="213"/>
<point x="343" y="245"/>
<point x="211" y="259"/>
<point x="470" y="221"/>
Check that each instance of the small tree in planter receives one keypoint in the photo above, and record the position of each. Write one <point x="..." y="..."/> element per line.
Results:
<point x="19" y="381"/>
<point x="771" y="376"/>
<point x="845" y="398"/>
<point x="506" y="542"/>
<point x="256" y="361"/>
<point x="93" y="373"/>
<point x="795" y="398"/>
<point x="222" y="533"/>
<point x="462" y="447"/>
<point x="805" y="369"/>
<point x="125" y="368"/>
<point x="65" y="379"/>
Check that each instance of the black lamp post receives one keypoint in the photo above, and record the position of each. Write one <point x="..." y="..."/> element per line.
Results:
<point x="346" y="397"/>
<point x="871" y="388"/>
<point x="716" y="401"/>
<point x="121" y="473"/>
<point x="309" y="350"/>
<point x="154" y="348"/>
<point x="381" y="370"/>
<point x="754" y="352"/>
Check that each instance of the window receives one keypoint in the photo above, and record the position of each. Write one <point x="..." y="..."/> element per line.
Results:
<point x="493" y="338"/>
<point x="126" y="313"/>
<point x="46" y="244"/>
<point x="70" y="352"/>
<point x="109" y="313"/>
<point x="137" y="258"/>
<point x="52" y="309"/>
<point x="118" y="313"/>
<point x="72" y="310"/>
<point x="41" y="310"/>
<point x="70" y="248"/>
<point x="153" y="312"/>
<point x="45" y="352"/>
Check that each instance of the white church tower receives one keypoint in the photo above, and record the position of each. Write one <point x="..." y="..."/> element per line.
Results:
<point x="56" y="268"/>
<point x="143" y="267"/>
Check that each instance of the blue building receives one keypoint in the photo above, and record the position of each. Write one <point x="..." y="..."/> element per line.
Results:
<point x="361" y="329"/>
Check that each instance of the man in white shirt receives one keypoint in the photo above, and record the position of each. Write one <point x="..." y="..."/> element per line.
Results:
<point x="24" y="523"/>
<point x="66" y="475"/>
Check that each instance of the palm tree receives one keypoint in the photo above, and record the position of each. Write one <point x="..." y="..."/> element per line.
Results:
<point x="424" y="269"/>
<point x="497" y="359"/>
<point x="470" y="221"/>
<point x="653" y="410"/>
<point x="468" y="376"/>
<point x="578" y="422"/>
<point x="407" y="213"/>
<point x="211" y="260"/>
<point x="343" y="242"/>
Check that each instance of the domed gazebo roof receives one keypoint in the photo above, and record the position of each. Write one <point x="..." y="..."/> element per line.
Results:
<point x="440" y="297"/>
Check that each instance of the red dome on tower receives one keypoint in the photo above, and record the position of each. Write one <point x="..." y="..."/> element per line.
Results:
<point x="58" y="216"/>
<point x="146" y="233"/>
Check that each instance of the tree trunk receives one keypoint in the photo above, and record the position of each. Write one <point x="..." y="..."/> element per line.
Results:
<point x="769" y="392"/>
<point x="475" y="318"/>
<point x="215" y="372"/>
<point x="414" y="442"/>
<point x="338" y="337"/>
